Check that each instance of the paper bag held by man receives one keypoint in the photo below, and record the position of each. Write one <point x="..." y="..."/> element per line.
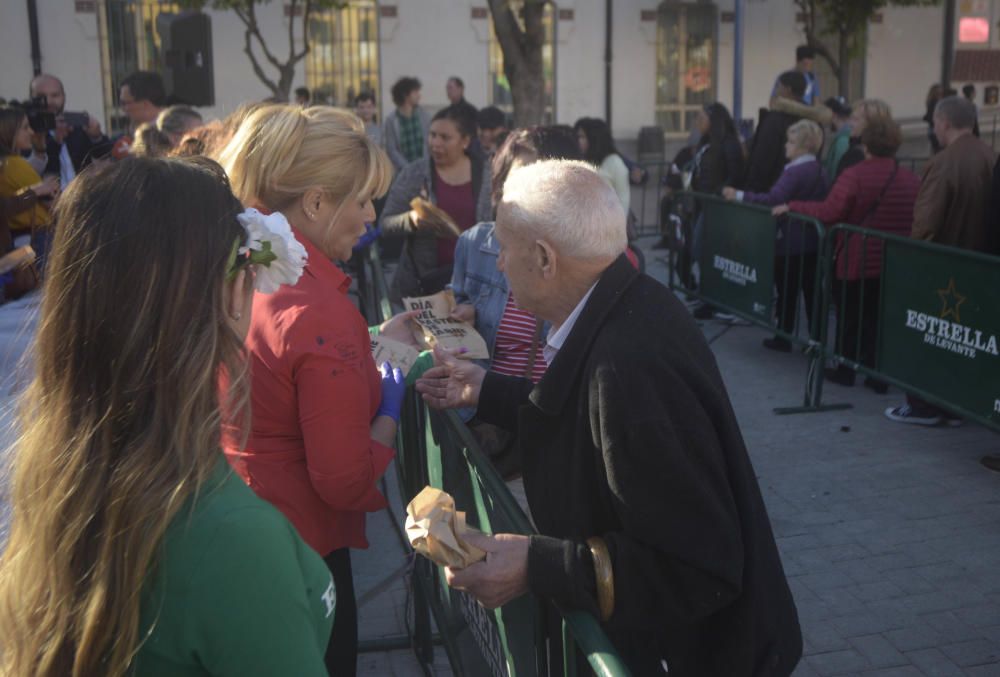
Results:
<point x="437" y="327"/>
<point x="436" y="530"/>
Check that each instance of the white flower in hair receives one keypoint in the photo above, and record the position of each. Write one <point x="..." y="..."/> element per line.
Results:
<point x="272" y="246"/>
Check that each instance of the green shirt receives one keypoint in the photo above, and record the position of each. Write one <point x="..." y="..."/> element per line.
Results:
<point x="411" y="136"/>
<point x="235" y="592"/>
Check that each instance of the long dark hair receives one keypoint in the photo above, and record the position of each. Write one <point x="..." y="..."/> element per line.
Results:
<point x="122" y="422"/>
<point x="600" y="144"/>
<point x="546" y="143"/>
<point x="10" y="122"/>
<point x="721" y="125"/>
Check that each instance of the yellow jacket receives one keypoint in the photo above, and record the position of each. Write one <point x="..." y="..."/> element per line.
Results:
<point x="17" y="176"/>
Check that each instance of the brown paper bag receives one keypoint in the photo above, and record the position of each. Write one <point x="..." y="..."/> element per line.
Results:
<point x="435" y="327"/>
<point x="440" y="221"/>
<point x="397" y="354"/>
<point x="436" y="530"/>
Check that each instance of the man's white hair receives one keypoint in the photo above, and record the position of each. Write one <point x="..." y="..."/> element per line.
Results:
<point x="566" y="203"/>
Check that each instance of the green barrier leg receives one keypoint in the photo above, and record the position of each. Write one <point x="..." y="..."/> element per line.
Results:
<point x="817" y="349"/>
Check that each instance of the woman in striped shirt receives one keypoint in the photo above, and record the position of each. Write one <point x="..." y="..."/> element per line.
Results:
<point x="514" y="337"/>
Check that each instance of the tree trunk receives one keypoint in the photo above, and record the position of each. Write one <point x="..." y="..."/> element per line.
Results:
<point x="522" y="58"/>
<point x="527" y="89"/>
<point x="844" y="63"/>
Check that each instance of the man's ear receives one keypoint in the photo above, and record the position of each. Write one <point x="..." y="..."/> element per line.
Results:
<point x="546" y="258"/>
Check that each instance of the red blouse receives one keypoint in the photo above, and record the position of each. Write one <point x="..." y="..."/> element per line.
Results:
<point x="315" y="391"/>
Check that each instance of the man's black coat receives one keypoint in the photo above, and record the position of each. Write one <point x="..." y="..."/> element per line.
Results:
<point x="767" y="150"/>
<point x="630" y="436"/>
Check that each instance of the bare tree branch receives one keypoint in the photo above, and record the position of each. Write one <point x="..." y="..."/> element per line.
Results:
<point x="306" y="45"/>
<point x="254" y="28"/>
<point x="258" y="71"/>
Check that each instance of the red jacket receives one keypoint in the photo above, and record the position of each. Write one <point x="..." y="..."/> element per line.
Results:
<point x="315" y="391"/>
<point x="851" y="199"/>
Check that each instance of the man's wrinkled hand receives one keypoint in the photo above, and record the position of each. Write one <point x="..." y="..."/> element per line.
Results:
<point x="453" y="382"/>
<point x="501" y="577"/>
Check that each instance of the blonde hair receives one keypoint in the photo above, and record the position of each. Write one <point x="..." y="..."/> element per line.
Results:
<point x="279" y="152"/>
<point x="807" y="135"/>
<point x="122" y="421"/>
<point x="873" y="109"/>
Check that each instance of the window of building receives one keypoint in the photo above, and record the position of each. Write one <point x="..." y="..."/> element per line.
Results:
<point x="129" y="42"/>
<point x="973" y="30"/>
<point x="499" y="88"/>
<point x="343" y="60"/>
<point x="686" y="64"/>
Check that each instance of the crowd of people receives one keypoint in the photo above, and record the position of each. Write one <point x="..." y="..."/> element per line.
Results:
<point x="204" y="379"/>
<point x="206" y="386"/>
<point x="837" y="163"/>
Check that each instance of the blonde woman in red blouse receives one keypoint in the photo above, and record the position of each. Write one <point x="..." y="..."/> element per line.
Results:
<point x="324" y="418"/>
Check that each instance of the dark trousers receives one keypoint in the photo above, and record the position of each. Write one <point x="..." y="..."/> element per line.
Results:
<point x="793" y="274"/>
<point x="342" y="652"/>
<point x="857" y="318"/>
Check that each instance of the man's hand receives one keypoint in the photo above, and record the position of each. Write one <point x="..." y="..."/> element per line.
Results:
<point x="61" y="131"/>
<point x="729" y="193"/>
<point x="398" y="326"/>
<point x="464" y="312"/>
<point x="501" y="577"/>
<point x="47" y="187"/>
<point x="453" y="383"/>
<point x="780" y="210"/>
<point x="93" y="128"/>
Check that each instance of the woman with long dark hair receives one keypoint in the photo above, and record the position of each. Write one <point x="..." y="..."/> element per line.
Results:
<point x="598" y="148"/>
<point x="133" y="549"/>
<point x="17" y="176"/>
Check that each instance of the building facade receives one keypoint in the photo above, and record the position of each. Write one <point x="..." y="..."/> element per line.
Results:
<point x="668" y="58"/>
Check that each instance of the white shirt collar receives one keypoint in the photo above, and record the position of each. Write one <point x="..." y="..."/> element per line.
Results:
<point x="557" y="336"/>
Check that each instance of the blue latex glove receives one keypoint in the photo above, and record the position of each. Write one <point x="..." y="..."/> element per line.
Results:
<point x="371" y="234"/>
<point x="393" y="389"/>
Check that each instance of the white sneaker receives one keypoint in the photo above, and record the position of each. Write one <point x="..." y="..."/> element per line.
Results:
<point x="905" y="414"/>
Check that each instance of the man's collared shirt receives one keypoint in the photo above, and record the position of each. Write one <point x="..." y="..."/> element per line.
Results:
<point x="66" y="170"/>
<point x="557" y="336"/>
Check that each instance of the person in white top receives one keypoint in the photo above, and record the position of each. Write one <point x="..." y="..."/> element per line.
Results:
<point x="598" y="148"/>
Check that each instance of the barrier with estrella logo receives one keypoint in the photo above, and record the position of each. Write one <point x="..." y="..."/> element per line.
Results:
<point x="746" y="254"/>
<point x="938" y="323"/>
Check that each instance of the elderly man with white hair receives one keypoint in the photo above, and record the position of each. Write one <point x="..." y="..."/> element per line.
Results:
<point x="648" y="509"/>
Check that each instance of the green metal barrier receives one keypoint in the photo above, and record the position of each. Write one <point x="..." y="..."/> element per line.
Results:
<point x="438" y="449"/>
<point x="745" y="258"/>
<point x="932" y="327"/>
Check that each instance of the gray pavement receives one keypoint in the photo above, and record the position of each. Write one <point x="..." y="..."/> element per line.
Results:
<point x="890" y="534"/>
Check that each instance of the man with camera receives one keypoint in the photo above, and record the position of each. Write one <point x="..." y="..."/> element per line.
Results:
<point x="66" y="138"/>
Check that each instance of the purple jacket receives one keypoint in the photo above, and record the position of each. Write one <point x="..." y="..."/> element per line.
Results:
<point x="803" y="180"/>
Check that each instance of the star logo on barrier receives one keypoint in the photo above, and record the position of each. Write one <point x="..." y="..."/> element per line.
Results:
<point x="951" y="301"/>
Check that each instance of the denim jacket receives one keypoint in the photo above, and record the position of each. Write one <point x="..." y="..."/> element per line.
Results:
<point x="477" y="281"/>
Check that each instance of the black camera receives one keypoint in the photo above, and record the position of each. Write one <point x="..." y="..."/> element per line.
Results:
<point x="39" y="117"/>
